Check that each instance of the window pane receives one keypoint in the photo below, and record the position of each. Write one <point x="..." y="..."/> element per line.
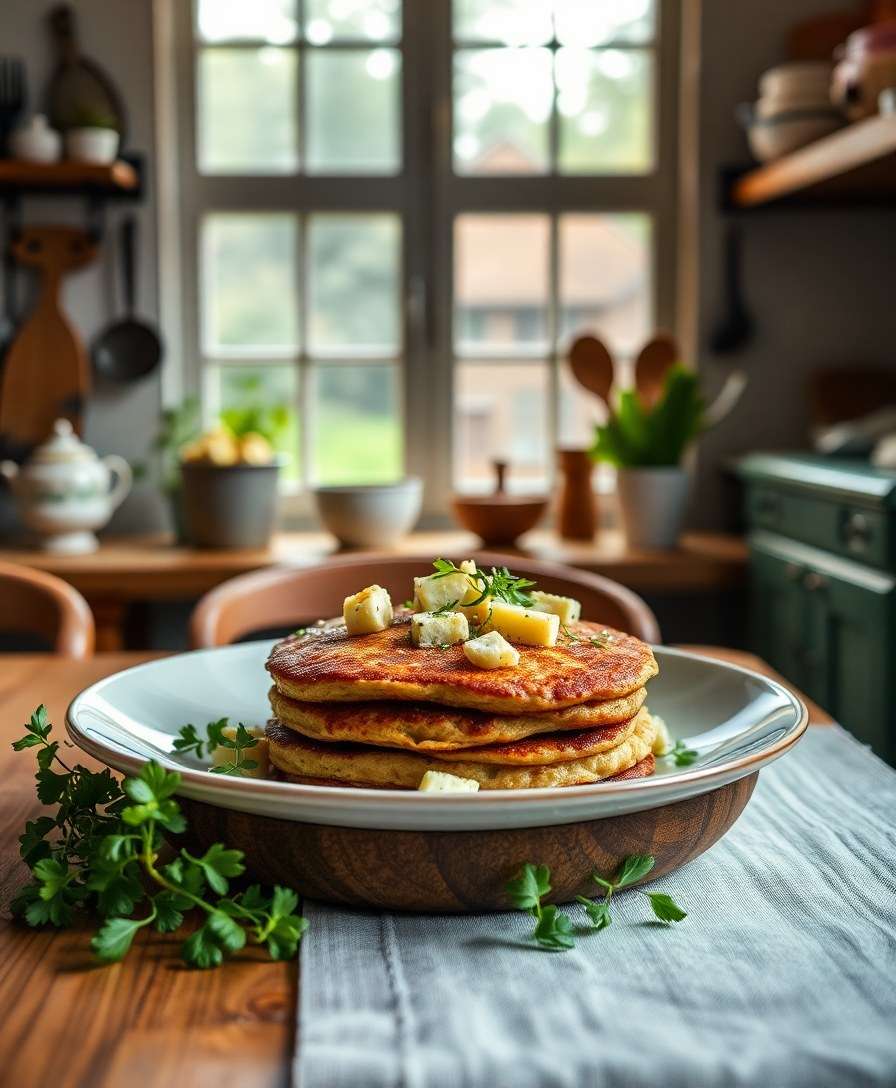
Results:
<point x="335" y="20"/>
<point x="353" y="111"/>
<point x="502" y="105"/>
<point x="247" y="111"/>
<point x="500" y="283"/>
<point x="594" y="22"/>
<point x="263" y="20"/>
<point x="516" y="22"/>
<point x="249" y="292"/>
<point x="605" y="279"/>
<point x="604" y="104"/>
<point x="263" y="398"/>
<point x="501" y="412"/>
<point x="357" y="425"/>
<point x="353" y="278"/>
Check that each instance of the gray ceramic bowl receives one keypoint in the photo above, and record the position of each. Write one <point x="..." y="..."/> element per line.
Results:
<point x="373" y="515"/>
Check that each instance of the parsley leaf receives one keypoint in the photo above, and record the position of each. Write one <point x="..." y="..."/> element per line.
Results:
<point x="634" y="868"/>
<point x="683" y="755"/>
<point x="598" y="911"/>
<point x="553" y="930"/>
<point x="188" y="740"/>
<point x="665" y="907"/>
<point x="529" y="887"/>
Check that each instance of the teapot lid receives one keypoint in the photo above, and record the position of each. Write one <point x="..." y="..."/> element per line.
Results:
<point x="62" y="445"/>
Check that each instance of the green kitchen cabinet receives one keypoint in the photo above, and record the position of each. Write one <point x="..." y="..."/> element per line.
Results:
<point x="823" y="585"/>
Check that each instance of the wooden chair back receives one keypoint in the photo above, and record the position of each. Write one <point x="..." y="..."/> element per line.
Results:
<point x="281" y="599"/>
<point x="42" y="606"/>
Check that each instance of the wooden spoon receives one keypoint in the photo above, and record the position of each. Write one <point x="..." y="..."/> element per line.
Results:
<point x="592" y="366"/>
<point x="652" y="365"/>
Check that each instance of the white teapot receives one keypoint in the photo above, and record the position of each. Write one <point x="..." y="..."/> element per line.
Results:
<point x="65" y="491"/>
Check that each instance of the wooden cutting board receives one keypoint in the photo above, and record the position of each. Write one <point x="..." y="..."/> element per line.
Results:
<point x="45" y="373"/>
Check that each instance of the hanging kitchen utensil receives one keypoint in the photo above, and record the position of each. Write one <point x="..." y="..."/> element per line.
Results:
<point x="10" y="309"/>
<point x="12" y="97"/>
<point x="129" y="349"/>
<point x="736" y="328"/>
<point x="654" y="360"/>
<point x="592" y="366"/>
<point x="80" y="93"/>
<point x="45" y="373"/>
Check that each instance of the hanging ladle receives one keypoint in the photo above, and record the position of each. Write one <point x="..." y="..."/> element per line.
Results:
<point x="129" y="349"/>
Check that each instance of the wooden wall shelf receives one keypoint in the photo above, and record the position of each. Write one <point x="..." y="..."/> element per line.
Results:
<point x="854" y="166"/>
<point x="119" y="179"/>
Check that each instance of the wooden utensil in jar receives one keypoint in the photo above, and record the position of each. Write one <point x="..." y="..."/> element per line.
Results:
<point x="45" y="375"/>
<point x="654" y="361"/>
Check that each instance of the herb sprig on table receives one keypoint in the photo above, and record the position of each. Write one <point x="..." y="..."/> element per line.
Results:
<point x="500" y="584"/>
<point x="554" y="930"/>
<point x="101" y="851"/>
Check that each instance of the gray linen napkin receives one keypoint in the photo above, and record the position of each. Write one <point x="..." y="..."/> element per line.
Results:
<point x="783" y="974"/>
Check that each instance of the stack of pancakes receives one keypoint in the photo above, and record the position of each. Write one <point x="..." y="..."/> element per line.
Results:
<point x="375" y="710"/>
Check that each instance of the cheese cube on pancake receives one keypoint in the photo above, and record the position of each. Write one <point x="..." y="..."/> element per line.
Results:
<point x="525" y="625"/>
<point x="491" y="651"/>
<point x="444" y="629"/>
<point x="367" y="611"/>
<point x="662" y="742"/>
<point x="259" y="753"/>
<point x="567" y="608"/>
<point x="434" y="592"/>
<point x="441" y="782"/>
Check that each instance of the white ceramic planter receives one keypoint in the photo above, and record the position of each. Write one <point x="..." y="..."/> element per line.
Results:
<point x="96" y="145"/>
<point x="651" y="501"/>
<point x="36" y="141"/>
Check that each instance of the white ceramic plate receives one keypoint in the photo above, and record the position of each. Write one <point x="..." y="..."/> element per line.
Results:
<point x="737" y="720"/>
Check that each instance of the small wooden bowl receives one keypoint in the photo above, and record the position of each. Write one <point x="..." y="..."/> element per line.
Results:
<point x="499" y="518"/>
<point x="457" y="871"/>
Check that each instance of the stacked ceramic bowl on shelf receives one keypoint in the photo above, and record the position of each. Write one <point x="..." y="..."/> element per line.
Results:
<point x="793" y="109"/>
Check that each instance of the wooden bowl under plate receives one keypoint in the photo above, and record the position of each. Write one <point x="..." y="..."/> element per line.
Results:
<point x="455" y="871"/>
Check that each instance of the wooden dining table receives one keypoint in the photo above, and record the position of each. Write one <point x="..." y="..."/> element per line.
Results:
<point x="149" y="1020"/>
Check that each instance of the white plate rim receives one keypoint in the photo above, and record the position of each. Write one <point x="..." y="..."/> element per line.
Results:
<point x="194" y="781"/>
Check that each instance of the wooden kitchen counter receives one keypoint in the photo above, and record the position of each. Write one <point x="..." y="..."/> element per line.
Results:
<point x="149" y="1020"/>
<point x="151" y="568"/>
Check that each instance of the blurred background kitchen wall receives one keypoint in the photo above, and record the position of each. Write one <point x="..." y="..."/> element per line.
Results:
<point x="801" y="270"/>
<point x="123" y="419"/>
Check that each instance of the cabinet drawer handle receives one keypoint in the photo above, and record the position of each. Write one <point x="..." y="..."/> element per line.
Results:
<point x="857" y="531"/>
<point x="814" y="581"/>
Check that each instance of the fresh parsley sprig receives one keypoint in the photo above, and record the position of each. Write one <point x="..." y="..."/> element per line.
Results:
<point x="189" y="740"/>
<point x="101" y="852"/>
<point x="682" y="755"/>
<point x="634" y="868"/>
<point x="500" y="584"/>
<point x="553" y="930"/>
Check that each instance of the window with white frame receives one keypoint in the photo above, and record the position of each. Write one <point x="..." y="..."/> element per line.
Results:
<point x="396" y="216"/>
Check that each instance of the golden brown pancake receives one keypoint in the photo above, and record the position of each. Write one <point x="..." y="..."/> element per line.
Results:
<point x="326" y="665"/>
<point x="360" y="764"/>
<point x="642" y="769"/>
<point x="426" y="727"/>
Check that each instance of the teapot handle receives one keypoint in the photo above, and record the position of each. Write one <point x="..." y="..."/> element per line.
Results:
<point x="121" y="471"/>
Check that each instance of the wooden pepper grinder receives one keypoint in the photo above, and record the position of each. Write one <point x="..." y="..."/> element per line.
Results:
<point x="576" y="513"/>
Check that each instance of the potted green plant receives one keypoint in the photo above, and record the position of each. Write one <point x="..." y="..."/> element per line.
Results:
<point x="647" y="443"/>
<point x="229" y="475"/>
<point x="92" y="136"/>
